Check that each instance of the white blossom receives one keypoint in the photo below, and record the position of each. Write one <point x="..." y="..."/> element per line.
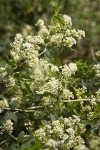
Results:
<point x="3" y="105"/>
<point x="54" y="68"/>
<point x="78" y="34"/>
<point x="96" y="68"/>
<point x="11" y="82"/>
<point x="8" y="126"/>
<point x="40" y="134"/>
<point x="68" y="70"/>
<point x="81" y="147"/>
<point x="70" y="132"/>
<point x="51" y="143"/>
<point x="56" y="39"/>
<point x="38" y="40"/>
<point x="3" y="72"/>
<point x="67" y="20"/>
<point x="43" y="32"/>
<point x="81" y="34"/>
<point x="40" y="23"/>
<point x="73" y="67"/>
<point x="52" y="86"/>
<point x="66" y="94"/>
<point x="57" y="128"/>
<point x="98" y="53"/>
<point x="48" y="100"/>
<point x="69" y="41"/>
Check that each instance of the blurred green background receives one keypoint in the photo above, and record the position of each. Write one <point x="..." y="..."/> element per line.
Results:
<point x="21" y="15"/>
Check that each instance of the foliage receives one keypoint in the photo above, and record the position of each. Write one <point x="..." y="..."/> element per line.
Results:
<point x="45" y="105"/>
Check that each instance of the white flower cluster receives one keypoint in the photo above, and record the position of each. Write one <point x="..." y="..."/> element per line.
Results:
<point x="67" y="20"/>
<point x="12" y="87"/>
<point x="16" y="53"/>
<point x="43" y="76"/>
<point x="80" y="92"/>
<point x="57" y="129"/>
<point x="54" y="68"/>
<point x="40" y="23"/>
<point x="10" y="82"/>
<point x="52" y="86"/>
<point x="8" y="126"/>
<point x="43" y="30"/>
<point x="90" y="115"/>
<point x="82" y="147"/>
<point x="40" y="134"/>
<point x="94" y="100"/>
<point x="98" y="95"/>
<point x="68" y="70"/>
<point x="90" y="108"/>
<point x="70" y="35"/>
<point x="3" y="74"/>
<point x="37" y="40"/>
<point x="64" y="35"/>
<point x="46" y="80"/>
<point x="78" y="34"/>
<point x="17" y="95"/>
<point x="27" y="49"/>
<point x="48" y="100"/>
<point x="11" y="90"/>
<point x="40" y="70"/>
<point x="95" y="143"/>
<point x="56" y="39"/>
<point x="3" y="104"/>
<point x="96" y="68"/>
<point x="51" y="144"/>
<point x="66" y="94"/>
<point x="60" y="131"/>
<point x="69" y="41"/>
<point x="98" y="53"/>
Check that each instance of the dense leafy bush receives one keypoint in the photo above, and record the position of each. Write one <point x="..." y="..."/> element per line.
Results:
<point x="45" y="105"/>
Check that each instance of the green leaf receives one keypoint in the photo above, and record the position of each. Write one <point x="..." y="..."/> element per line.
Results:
<point x="38" y="98"/>
<point x="11" y="116"/>
<point x="52" y="117"/>
<point x="66" y="141"/>
<point x="44" y="122"/>
<point x="95" y="115"/>
<point x="14" y="147"/>
<point x="13" y="105"/>
<point x="21" y="135"/>
<point x="58" y="19"/>
<point x="37" y="146"/>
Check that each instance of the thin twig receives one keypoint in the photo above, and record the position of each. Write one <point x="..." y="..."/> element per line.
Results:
<point x="42" y="52"/>
<point x="75" y="100"/>
<point x="34" y="107"/>
<point x="13" y="137"/>
<point x="31" y="109"/>
<point x="3" y="142"/>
